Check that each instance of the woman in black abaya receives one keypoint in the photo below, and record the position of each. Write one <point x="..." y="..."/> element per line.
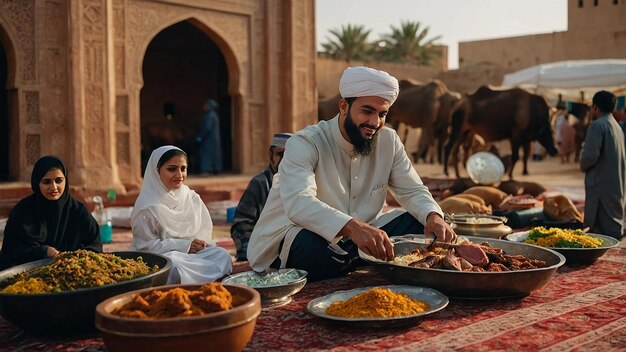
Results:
<point x="48" y="221"/>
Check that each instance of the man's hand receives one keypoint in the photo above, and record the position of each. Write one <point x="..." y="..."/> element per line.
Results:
<point x="197" y="246"/>
<point x="369" y="239"/>
<point x="51" y="252"/>
<point x="437" y="226"/>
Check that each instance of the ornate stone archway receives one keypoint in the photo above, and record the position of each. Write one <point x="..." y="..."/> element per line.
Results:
<point x="77" y="78"/>
<point x="8" y="121"/>
<point x="224" y="29"/>
<point x="23" y="85"/>
<point x="215" y="75"/>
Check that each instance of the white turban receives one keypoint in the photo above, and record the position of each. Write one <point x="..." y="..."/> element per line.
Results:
<point x="363" y="81"/>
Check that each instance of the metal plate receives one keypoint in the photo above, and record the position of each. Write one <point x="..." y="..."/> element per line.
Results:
<point x="574" y="256"/>
<point x="485" y="168"/>
<point x="436" y="301"/>
<point x="474" y="285"/>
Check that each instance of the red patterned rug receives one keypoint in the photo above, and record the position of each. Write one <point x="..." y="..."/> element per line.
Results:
<point x="580" y="309"/>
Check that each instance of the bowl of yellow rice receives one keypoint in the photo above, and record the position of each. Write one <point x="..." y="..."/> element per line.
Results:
<point x="577" y="246"/>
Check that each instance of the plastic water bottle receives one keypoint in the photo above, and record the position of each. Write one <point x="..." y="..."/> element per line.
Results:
<point x="104" y="223"/>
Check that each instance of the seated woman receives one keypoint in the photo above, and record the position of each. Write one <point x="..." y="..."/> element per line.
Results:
<point x="171" y="219"/>
<point x="49" y="221"/>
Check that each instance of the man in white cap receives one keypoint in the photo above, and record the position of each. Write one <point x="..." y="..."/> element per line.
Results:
<point x="327" y="200"/>
<point x="254" y="197"/>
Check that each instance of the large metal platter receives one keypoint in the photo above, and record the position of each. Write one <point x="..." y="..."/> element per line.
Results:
<point x="474" y="285"/>
<point x="436" y="301"/>
<point x="575" y="256"/>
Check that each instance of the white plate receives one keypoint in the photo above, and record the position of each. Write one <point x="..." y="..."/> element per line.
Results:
<point x="485" y="168"/>
<point x="517" y="236"/>
<point x="436" y="301"/>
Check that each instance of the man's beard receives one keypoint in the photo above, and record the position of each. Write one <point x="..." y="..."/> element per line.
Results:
<point x="362" y="146"/>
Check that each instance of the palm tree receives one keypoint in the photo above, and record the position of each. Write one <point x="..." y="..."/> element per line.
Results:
<point x="408" y="44"/>
<point x="348" y="43"/>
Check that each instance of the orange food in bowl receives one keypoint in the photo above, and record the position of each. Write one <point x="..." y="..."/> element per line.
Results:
<point x="177" y="302"/>
<point x="178" y="329"/>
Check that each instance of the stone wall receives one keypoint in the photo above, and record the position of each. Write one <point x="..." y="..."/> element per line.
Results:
<point x="464" y="80"/>
<point x="469" y="78"/>
<point x="329" y="72"/>
<point x="75" y="77"/>
<point x="594" y="32"/>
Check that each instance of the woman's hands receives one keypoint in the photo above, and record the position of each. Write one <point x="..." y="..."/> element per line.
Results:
<point x="197" y="246"/>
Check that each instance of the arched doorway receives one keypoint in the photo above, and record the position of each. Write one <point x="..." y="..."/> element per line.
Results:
<point x="4" y="115"/>
<point x="182" y="68"/>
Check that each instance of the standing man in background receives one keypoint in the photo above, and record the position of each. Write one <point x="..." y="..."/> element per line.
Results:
<point x="254" y="198"/>
<point x="603" y="160"/>
<point x="208" y="138"/>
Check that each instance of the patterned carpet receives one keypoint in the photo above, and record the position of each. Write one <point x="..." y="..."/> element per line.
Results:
<point x="580" y="309"/>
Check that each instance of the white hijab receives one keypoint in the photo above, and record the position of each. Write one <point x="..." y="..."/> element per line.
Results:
<point x="181" y="212"/>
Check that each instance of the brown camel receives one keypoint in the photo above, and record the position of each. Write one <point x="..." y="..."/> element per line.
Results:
<point x="512" y="114"/>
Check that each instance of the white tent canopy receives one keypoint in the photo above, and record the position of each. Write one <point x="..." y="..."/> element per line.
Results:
<point x="571" y="79"/>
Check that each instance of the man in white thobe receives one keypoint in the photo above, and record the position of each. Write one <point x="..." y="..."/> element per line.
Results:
<point x="327" y="199"/>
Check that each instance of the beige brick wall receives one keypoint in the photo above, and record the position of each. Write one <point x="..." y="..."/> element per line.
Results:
<point x="329" y="72"/>
<point x="594" y="32"/>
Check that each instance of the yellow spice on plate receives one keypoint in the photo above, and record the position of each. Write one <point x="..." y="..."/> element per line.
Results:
<point x="377" y="303"/>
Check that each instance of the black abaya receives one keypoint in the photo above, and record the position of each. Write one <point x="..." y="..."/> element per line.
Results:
<point x="37" y="223"/>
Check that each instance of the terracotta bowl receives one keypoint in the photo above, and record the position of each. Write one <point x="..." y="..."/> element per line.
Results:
<point x="222" y="331"/>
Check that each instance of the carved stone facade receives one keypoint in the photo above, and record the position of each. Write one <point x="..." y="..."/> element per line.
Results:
<point x="75" y="78"/>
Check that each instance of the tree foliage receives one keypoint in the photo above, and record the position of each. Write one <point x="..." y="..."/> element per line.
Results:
<point x="348" y="43"/>
<point x="407" y="43"/>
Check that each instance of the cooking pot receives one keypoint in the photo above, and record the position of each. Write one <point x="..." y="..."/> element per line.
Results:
<point x="479" y="225"/>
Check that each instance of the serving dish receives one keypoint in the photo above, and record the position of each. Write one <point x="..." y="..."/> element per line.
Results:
<point x="469" y="284"/>
<point x="574" y="256"/>
<point x="228" y="330"/>
<point x="71" y="312"/>
<point x="479" y="225"/>
<point x="274" y="295"/>
<point x="436" y="301"/>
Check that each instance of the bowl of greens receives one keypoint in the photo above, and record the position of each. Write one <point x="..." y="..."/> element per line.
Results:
<point x="275" y="286"/>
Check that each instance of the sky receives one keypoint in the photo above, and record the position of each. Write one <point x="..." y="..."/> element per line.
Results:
<point x="454" y="20"/>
